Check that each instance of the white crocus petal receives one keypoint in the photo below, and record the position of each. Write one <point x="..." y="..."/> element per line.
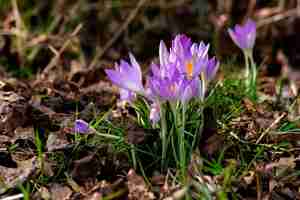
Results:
<point x="154" y="113"/>
<point x="194" y="49"/>
<point x="163" y="54"/>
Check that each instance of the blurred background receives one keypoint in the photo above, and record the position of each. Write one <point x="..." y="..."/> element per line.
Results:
<point x="70" y="39"/>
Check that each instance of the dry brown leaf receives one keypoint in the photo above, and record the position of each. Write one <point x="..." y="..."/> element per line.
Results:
<point x="12" y="177"/>
<point x="138" y="190"/>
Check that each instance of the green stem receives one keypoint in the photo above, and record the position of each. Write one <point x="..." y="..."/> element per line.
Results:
<point x="109" y="136"/>
<point x="179" y="132"/>
<point x="253" y="68"/>
<point x="198" y="134"/>
<point x="133" y="156"/>
<point x="163" y="135"/>
<point x="247" y="73"/>
<point x="182" y="145"/>
<point x="253" y="75"/>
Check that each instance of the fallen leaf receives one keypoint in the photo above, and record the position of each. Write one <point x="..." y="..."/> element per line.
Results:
<point x="12" y="177"/>
<point x="138" y="190"/>
<point x="60" y="192"/>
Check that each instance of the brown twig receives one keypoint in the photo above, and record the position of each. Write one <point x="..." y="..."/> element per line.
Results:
<point x="124" y="26"/>
<point x="55" y="59"/>
<point x="251" y="8"/>
<point x="20" y="27"/>
<point x="152" y="4"/>
<point x="276" y="121"/>
<point x="281" y="16"/>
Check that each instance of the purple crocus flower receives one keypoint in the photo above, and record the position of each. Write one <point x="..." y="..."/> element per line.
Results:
<point x="127" y="76"/>
<point x="244" y="35"/>
<point x="177" y="75"/>
<point x="81" y="126"/>
<point x="190" y="58"/>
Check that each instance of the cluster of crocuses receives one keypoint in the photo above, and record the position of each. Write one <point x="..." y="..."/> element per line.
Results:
<point x="182" y="73"/>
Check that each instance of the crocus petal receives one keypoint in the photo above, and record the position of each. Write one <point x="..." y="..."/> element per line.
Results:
<point x="114" y="76"/>
<point x="163" y="54"/>
<point x="136" y="66"/>
<point x="203" y="50"/>
<point x="155" y="71"/>
<point x="193" y="89"/>
<point x="154" y="113"/>
<point x="234" y="38"/>
<point x="127" y="76"/>
<point x="126" y="95"/>
<point x="212" y="68"/>
<point x="187" y="93"/>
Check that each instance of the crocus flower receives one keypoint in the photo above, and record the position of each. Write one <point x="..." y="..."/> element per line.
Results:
<point x="127" y="76"/>
<point x="190" y="58"/>
<point x="177" y="75"/>
<point x="244" y="35"/>
<point x="81" y="126"/>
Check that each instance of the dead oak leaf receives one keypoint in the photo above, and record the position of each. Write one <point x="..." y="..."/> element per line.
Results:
<point x="12" y="177"/>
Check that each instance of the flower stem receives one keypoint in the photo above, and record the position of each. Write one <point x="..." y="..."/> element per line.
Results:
<point x="132" y="150"/>
<point x="252" y="64"/>
<point x="250" y="73"/>
<point x="198" y="134"/>
<point x="163" y="135"/>
<point x="247" y="73"/>
<point x="182" y="159"/>
<point x="253" y="76"/>
<point x="178" y="136"/>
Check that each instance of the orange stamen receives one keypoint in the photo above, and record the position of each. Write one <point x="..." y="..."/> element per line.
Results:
<point x="189" y="69"/>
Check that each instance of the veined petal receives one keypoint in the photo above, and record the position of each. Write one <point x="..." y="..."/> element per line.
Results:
<point x="136" y="67"/>
<point x="114" y="76"/>
<point x="233" y="37"/>
<point x="127" y="76"/>
<point x="187" y="93"/>
<point x="163" y="54"/>
<point x="155" y="70"/>
<point x="122" y="81"/>
<point x="212" y="68"/>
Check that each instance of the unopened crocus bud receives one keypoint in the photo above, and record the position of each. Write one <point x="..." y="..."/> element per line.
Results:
<point x="81" y="126"/>
<point x="244" y="35"/>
